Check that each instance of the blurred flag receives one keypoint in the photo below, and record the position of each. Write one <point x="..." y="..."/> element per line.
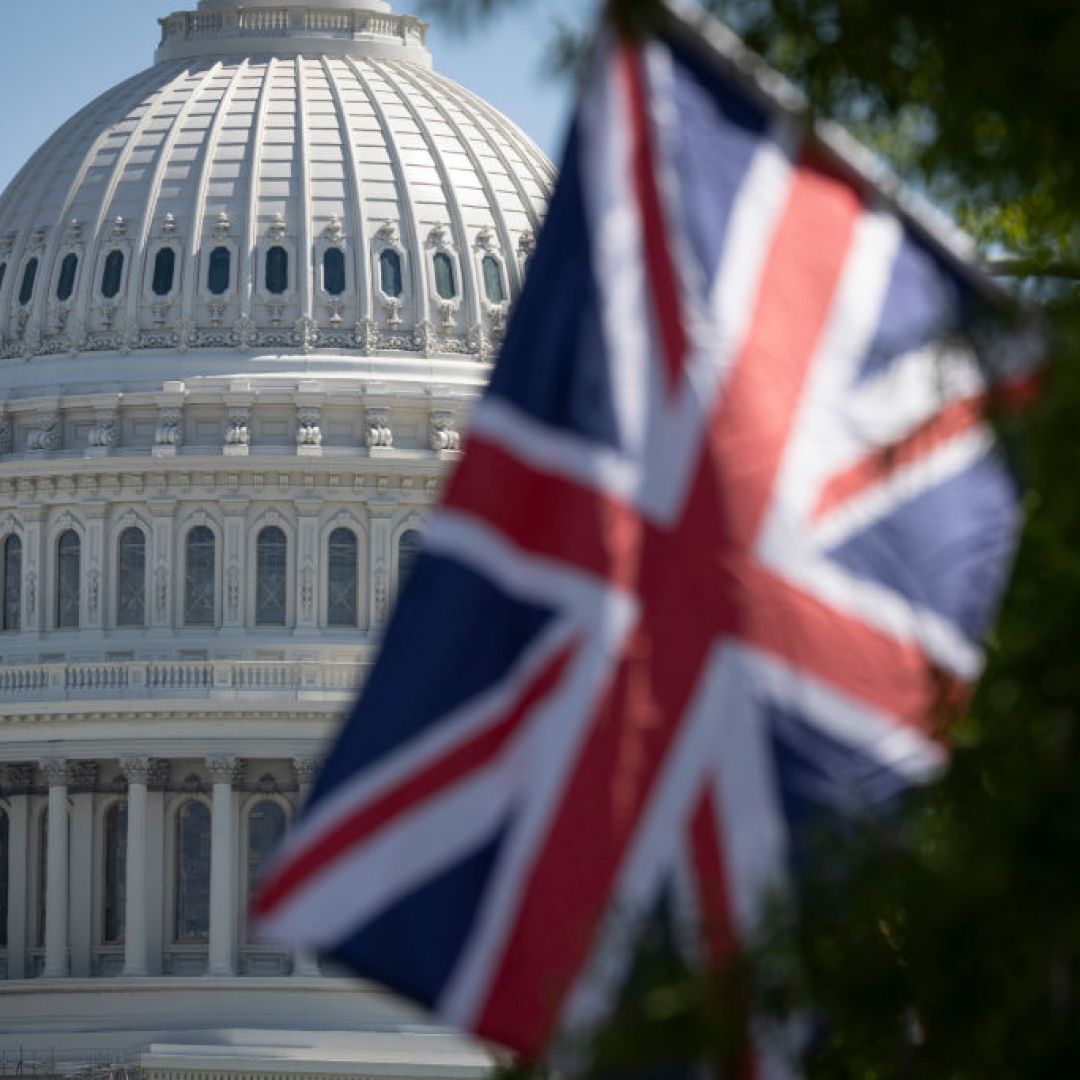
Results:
<point x="728" y="531"/>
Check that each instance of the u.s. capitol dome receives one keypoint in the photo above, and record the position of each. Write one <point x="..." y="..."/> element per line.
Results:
<point x="247" y="298"/>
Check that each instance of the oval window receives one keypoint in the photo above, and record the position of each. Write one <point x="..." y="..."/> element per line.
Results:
<point x="26" y="292"/>
<point x="113" y="274"/>
<point x="277" y="270"/>
<point x="65" y="284"/>
<point x="333" y="271"/>
<point x="390" y="273"/>
<point x="445" y="285"/>
<point x="493" y="280"/>
<point x="164" y="272"/>
<point x="219" y="271"/>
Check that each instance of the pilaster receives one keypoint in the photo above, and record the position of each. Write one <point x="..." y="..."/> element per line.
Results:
<point x="222" y="951"/>
<point x="94" y="575"/>
<point x="162" y="548"/>
<point x="57" y="776"/>
<point x="308" y="564"/>
<point x="380" y="514"/>
<point x="81" y="866"/>
<point x="234" y="558"/>
<point x="136" y="879"/>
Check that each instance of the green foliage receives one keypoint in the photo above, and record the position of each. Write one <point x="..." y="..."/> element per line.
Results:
<point x="948" y="946"/>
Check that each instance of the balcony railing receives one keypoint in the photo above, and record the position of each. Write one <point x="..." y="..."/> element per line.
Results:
<point x="178" y="678"/>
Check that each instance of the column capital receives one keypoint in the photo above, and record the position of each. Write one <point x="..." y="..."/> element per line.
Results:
<point x="18" y="777"/>
<point x="225" y="769"/>
<point x="84" y="775"/>
<point x="306" y="769"/>
<point x="57" y="771"/>
<point x="137" y="770"/>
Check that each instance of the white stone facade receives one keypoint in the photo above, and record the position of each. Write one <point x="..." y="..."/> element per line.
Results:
<point x="247" y="300"/>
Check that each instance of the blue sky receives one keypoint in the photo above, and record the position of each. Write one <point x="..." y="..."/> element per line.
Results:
<point x="57" y="55"/>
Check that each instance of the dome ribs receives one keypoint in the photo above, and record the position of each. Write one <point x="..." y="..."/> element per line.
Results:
<point x="251" y="222"/>
<point x="302" y="160"/>
<point x="361" y="243"/>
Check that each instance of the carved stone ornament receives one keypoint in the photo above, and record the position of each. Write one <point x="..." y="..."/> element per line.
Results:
<point x="306" y="769"/>
<point x="392" y="308"/>
<point x="31" y="594"/>
<point x="277" y="228"/>
<point x="526" y="245"/>
<point x="237" y="431"/>
<point x="382" y="599"/>
<point x="305" y="333"/>
<point x="18" y="777"/>
<point x="225" y="769"/>
<point x="447" y="311"/>
<point x="309" y="426"/>
<point x="105" y="432"/>
<point x="161" y="589"/>
<point x="443" y="431"/>
<point x="232" y="591"/>
<point x="439" y="238"/>
<point x="379" y="433"/>
<point x="485" y="240"/>
<point x="168" y="431"/>
<point x="387" y="233"/>
<point x="168" y="224"/>
<point x="307" y="591"/>
<point x="119" y="229"/>
<point x="84" y="775"/>
<point x="46" y="435"/>
<point x="93" y="591"/>
<point x="222" y="225"/>
<point x="56" y="771"/>
<point x="137" y="770"/>
<point x="334" y="231"/>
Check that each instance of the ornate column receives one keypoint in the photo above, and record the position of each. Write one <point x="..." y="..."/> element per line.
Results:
<point x="56" y="870"/>
<point x="137" y="773"/>
<point x="83" y="781"/>
<point x="305" y="966"/>
<point x="222" y="958"/>
<point x="17" y="782"/>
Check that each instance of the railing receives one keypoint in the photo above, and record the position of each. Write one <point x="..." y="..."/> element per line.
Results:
<point x="177" y="678"/>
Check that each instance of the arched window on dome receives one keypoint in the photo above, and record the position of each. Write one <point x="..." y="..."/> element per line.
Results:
<point x="266" y="828"/>
<point x="12" y="611"/>
<point x="68" y="575"/>
<point x="494" y="288"/>
<point x="112" y="276"/>
<point x="390" y="276"/>
<point x="131" y="578"/>
<point x="114" y="877"/>
<point x="191" y="874"/>
<point x="41" y="878"/>
<point x="277" y="270"/>
<point x="270" y="577"/>
<point x="408" y="550"/>
<point x="164" y="272"/>
<point x="445" y="278"/>
<point x="200" y="577"/>
<point x="342" y="579"/>
<point x="65" y="283"/>
<point x="219" y="271"/>
<point x="26" y="290"/>
<point x="5" y="841"/>
<point x="333" y="271"/>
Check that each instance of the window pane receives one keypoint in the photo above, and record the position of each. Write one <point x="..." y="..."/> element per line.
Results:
<point x="192" y="914"/>
<point x="65" y="285"/>
<point x="28" y="279"/>
<point x="277" y="270"/>
<point x="68" y="559"/>
<point x="164" y="271"/>
<point x="493" y="280"/>
<point x="334" y="271"/>
<point x="390" y="273"/>
<point x="199" y="575"/>
<point x="270" y="578"/>
<point x="115" y="885"/>
<point x="266" y="827"/>
<point x="408" y="549"/>
<point x="12" y="583"/>
<point x="112" y="275"/>
<point x="342" y="579"/>
<point x="445" y="285"/>
<point x="131" y="578"/>
<point x="219" y="271"/>
<point x="4" y="841"/>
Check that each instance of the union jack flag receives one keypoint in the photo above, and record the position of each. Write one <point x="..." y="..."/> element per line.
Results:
<point x="729" y="527"/>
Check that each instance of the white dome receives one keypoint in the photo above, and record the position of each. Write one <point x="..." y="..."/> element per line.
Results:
<point x="300" y="128"/>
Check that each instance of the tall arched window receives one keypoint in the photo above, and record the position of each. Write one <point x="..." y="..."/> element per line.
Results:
<point x="65" y="283"/>
<point x="342" y="579"/>
<point x="3" y="273"/>
<point x="277" y="270"/>
<point x="191" y="911"/>
<point x="390" y="273"/>
<point x="408" y="549"/>
<point x="113" y="274"/>
<point x="200" y="578"/>
<point x="266" y="827"/>
<point x="164" y="272"/>
<point x="333" y="271"/>
<point x="5" y="840"/>
<point x="26" y="290"/>
<point x="445" y="282"/>
<point x="270" y="574"/>
<point x="131" y="578"/>
<point x="68" y="573"/>
<point x="219" y="271"/>
<point x="493" y="280"/>
<point x="42" y="876"/>
<point x="12" y="614"/>
<point x="114" y="883"/>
